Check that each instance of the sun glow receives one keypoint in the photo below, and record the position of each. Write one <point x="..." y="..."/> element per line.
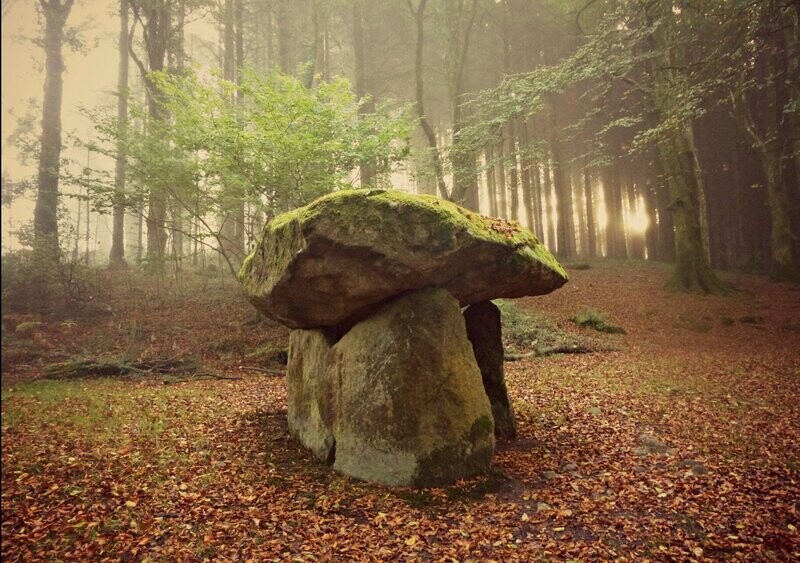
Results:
<point x="637" y="218"/>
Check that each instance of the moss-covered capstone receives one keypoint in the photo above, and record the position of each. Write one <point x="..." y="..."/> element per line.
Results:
<point x="337" y="259"/>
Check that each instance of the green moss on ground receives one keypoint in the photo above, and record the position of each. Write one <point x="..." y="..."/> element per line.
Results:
<point x="594" y="319"/>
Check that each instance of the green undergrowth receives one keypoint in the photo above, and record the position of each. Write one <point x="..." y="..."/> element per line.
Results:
<point x="523" y="330"/>
<point x="594" y="319"/>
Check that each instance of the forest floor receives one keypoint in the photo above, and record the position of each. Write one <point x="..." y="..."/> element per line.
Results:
<point x="680" y="441"/>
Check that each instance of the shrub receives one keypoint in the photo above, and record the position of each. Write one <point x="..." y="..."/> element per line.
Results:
<point x="33" y="284"/>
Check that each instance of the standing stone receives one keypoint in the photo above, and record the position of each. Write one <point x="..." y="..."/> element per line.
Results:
<point x="411" y="405"/>
<point x="309" y="392"/>
<point x="484" y="332"/>
<point x="398" y="400"/>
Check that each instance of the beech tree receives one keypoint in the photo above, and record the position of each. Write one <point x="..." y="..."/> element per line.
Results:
<point x="45" y="218"/>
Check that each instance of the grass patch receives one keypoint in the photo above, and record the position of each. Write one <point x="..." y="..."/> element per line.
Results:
<point x="594" y="319"/>
<point x="100" y="412"/>
<point x="523" y="330"/>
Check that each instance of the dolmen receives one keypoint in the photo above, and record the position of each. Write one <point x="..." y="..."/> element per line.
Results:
<point x="395" y="370"/>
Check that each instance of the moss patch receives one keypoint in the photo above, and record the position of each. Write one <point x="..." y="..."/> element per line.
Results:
<point x="446" y="219"/>
<point x="439" y="466"/>
<point x="594" y="319"/>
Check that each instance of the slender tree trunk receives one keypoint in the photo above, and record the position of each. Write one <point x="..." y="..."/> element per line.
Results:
<point x="525" y="177"/>
<point x="538" y="205"/>
<point x="536" y="181"/>
<point x="45" y="214"/>
<point x="465" y="183"/>
<point x="501" y="179"/>
<point x="282" y="25"/>
<point x="513" y="179"/>
<point x="116" y="256"/>
<point x="591" y="233"/>
<point x="549" y="207"/>
<point x="636" y="244"/>
<point x="176" y="211"/>
<point x="566" y="227"/>
<point x="87" y="236"/>
<point x="430" y="134"/>
<point x="156" y="20"/>
<point x="270" y="35"/>
<point x="232" y="216"/>
<point x="78" y="223"/>
<point x="615" y="232"/>
<point x="782" y="264"/>
<point x="367" y="166"/>
<point x="491" y="187"/>
<point x="651" y="234"/>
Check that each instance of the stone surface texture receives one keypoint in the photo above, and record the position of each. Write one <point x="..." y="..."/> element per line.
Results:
<point x="387" y="380"/>
<point x="339" y="258"/>
<point x="485" y="334"/>
<point x="400" y="395"/>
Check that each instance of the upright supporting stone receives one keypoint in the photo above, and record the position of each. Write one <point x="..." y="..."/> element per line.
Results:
<point x="411" y="408"/>
<point x="484" y="332"/>
<point x="309" y="393"/>
<point x="398" y="400"/>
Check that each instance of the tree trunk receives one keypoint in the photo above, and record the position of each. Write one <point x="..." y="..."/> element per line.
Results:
<point x="615" y="231"/>
<point x="513" y="181"/>
<point x="692" y="271"/>
<point x="501" y="179"/>
<point x="591" y="234"/>
<point x="651" y="234"/>
<point x="549" y="211"/>
<point x="525" y="177"/>
<point x="538" y="206"/>
<point x="566" y="228"/>
<point x="232" y="220"/>
<point x="782" y="264"/>
<point x="116" y="256"/>
<point x="156" y="20"/>
<point x="465" y="183"/>
<point x="366" y="167"/>
<point x="430" y="134"/>
<point x="282" y="25"/>
<point x="45" y="214"/>
<point x="636" y="244"/>
<point x="491" y="187"/>
<point x="680" y="165"/>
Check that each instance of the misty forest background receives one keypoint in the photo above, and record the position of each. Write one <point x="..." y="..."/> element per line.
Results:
<point x="637" y="129"/>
